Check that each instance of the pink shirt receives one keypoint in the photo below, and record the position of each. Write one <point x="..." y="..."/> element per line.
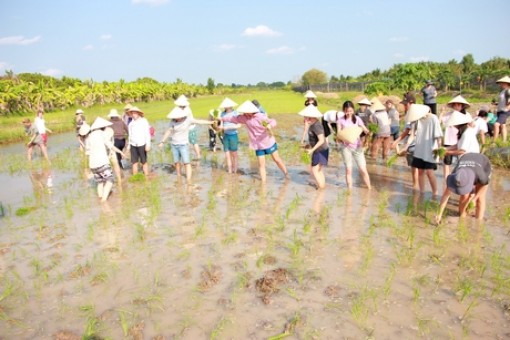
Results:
<point x="345" y="122"/>
<point x="260" y="139"/>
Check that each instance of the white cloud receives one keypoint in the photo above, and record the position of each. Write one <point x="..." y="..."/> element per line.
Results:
<point x="398" y="55"/>
<point x="280" y="50"/>
<point x="227" y="47"/>
<point x="150" y="2"/>
<point x="53" y="72"/>
<point x="105" y="37"/>
<point x="88" y="47"/>
<point x="260" y="31"/>
<point x="18" y="40"/>
<point x="398" y="39"/>
<point x="418" y="59"/>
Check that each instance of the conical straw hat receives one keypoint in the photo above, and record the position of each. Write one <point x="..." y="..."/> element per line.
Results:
<point x="227" y="102"/>
<point x="377" y="105"/>
<point x="459" y="99"/>
<point x="350" y="134"/>
<point x="181" y="101"/>
<point x="84" y="129"/>
<point x="177" y="113"/>
<point x="310" y="111"/>
<point x="365" y="101"/>
<point x="247" y="107"/>
<point x="310" y="94"/>
<point x="416" y="111"/>
<point x="459" y="118"/>
<point x="505" y="79"/>
<point x="100" y="123"/>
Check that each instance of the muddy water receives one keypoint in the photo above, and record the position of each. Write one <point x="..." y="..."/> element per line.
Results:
<point x="230" y="258"/>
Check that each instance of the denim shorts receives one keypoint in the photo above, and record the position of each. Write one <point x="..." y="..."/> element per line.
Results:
<point x="181" y="153"/>
<point x="267" y="151"/>
<point x="230" y="142"/>
<point x="320" y="157"/>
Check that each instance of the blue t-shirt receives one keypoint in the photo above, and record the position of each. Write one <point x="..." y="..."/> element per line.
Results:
<point x="226" y="124"/>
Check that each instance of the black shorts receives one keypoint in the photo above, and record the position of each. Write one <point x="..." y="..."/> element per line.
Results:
<point x="502" y="117"/>
<point x="421" y="164"/>
<point x="138" y="154"/>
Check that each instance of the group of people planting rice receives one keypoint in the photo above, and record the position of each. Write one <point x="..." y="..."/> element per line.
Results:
<point x="428" y="139"/>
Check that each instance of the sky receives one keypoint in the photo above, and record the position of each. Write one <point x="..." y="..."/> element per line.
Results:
<point x="243" y="42"/>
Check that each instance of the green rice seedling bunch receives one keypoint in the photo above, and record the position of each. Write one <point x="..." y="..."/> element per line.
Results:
<point x="373" y="127"/>
<point x="440" y="152"/>
<point x="306" y="158"/>
<point x="391" y="160"/>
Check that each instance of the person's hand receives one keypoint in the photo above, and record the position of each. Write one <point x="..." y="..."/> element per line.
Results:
<point x="160" y="145"/>
<point x="147" y="148"/>
<point x="437" y="219"/>
<point x="310" y="151"/>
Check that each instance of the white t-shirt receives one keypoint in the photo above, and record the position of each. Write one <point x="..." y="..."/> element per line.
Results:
<point x="332" y="116"/>
<point x="481" y="125"/>
<point x="181" y="131"/>
<point x="96" y="146"/>
<point x="468" y="141"/>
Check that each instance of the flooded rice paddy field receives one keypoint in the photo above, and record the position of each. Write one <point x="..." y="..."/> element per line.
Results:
<point x="230" y="258"/>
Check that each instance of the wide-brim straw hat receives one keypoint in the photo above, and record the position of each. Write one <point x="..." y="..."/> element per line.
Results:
<point x="460" y="100"/>
<point x="458" y="118"/>
<point x="377" y="105"/>
<point x="181" y="101"/>
<point x="84" y="129"/>
<point x="100" y="123"/>
<point x="350" y="134"/>
<point x="227" y="102"/>
<point x="137" y="110"/>
<point x="416" y="112"/>
<point x="310" y="111"/>
<point x="113" y="113"/>
<point x="247" y="107"/>
<point x="310" y="94"/>
<point x="364" y="101"/>
<point x="79" y="112"/>
<point x="127" y="107"/>
<point x="177" y="113"/>
<point x="505" y="79"/>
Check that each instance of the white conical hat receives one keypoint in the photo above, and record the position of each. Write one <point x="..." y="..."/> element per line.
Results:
<point x="84" y="129"/>
<point x="100" y="123"/>
<point x="505" y="79"/>
<point x="459" y="99"/>
<point x="416" y="111"/>
<point x="247" y="107"/>
<point x="113" y="113"/>
<point x="182" y="101"/>
<point x="310" y="94"/>
<point x="377" y="105"/>
<point x="365" y="101"/>
<point x="350" y="134"/>
<point x="310" y="111"/>
<point x="227" y="102"/>
<point x="177" y="113"/>
<point x="458" y="118"/>
<point x="136" y="109"/>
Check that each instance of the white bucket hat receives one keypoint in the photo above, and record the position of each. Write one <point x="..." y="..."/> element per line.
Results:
<point x="113" y="113"/>
<point x="100" y="123"/>
<point x="458" y="118"/>
<point x="416" y="111"/>
<point x="349" y="134"/>
<point x="364" y="101"/>
<point x="310" y="111"/>
<point x="505" y="79"/>
<point x="182" y="101"/>
<point x="79" y="112"/>
<point x="227" y="102"/>
<point x="247" y="107"/>
<point x="84" y="129"/>
<point x="310" y="94"/>
<point x="459" y="99"/>
<point x="377" y="105"/>
<point x="177" y="113"/>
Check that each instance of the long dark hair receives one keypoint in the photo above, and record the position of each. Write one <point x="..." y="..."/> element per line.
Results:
<point x="462" y="128"/>
<point x="349" y="104"/>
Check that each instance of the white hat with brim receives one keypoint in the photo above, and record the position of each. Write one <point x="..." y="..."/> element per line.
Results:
<point x="505" y="79"/>
<point x="137" y="110"/>
<point x="100" y="123"/>
<point x="310" y="94"/>
<point x="310" y="111"/>
<point x="181" y="102"/>
<point x="350" y="134"/>
<point x="247" y="107"/>
<point x="127" y="107"/>
<point x="416" y="112"/>
<point x="365" y="101"/>
<point x="113" y="113"/>
<point x="458" y="118"/>
<point x="460" y="100"/>
<point x="227" y="102"/>
<point x="79" y="112"/>
<point x="177" y="113"/>
<point x="84" y="129"/>
<point x="377" y="105"/>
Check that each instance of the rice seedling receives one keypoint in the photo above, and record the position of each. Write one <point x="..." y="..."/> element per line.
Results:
<point x="392" y="160"/>
<point x="199" y="230"/>
<point x="292" y="293"/>
<point x="289" y="329"/>
<point x="123" y="321"/>
<point x="424" y="325"/>
<point x="296" y="244"/>
<point x="23" y="211"/>
<point x="219" y="327"/>
<point x="137" y="178"/>
<point x="464" y="287"/>
<point x="230" y="238"/>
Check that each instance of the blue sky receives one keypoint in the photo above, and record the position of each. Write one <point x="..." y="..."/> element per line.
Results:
<point x="242" y="41"/>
